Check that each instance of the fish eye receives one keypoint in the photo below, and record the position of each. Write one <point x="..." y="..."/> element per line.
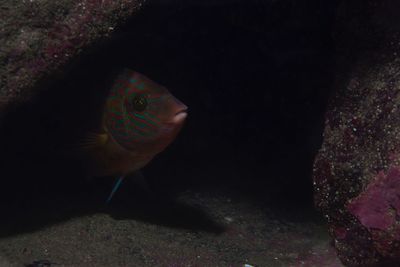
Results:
<point x="139" y="103"/>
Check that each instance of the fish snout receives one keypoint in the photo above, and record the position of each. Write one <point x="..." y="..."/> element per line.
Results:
<point x="180" y="116"/>
<point x="180" y="112"/>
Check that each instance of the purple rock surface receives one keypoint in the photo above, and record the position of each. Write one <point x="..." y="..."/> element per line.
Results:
<point x="357" y="170"/>
<point x="38" y="37"/>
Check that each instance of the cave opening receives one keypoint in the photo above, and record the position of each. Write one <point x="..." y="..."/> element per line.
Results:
<point x="255" y="75"/>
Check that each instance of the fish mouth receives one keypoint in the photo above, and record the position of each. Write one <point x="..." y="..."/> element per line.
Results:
<point x="180" y="116"/>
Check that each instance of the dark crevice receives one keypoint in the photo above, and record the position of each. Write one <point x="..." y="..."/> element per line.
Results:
<point x="256" y="77"/>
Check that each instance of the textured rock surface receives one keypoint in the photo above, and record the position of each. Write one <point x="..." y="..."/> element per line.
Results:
<point x="39" y="36"/>
<point x="357" y="170"/>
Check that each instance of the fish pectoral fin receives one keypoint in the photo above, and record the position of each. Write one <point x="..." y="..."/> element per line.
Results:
<point x="93" y="140"/>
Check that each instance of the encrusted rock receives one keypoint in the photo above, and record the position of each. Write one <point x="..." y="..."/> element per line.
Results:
<point x="37" y="37"/>
<point x="357" y="170"/>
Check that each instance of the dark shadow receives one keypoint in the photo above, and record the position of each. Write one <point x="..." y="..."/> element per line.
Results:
<point x="43" y="181"/>
<point x="157" y="208"/>
<point x="256" y="77"/>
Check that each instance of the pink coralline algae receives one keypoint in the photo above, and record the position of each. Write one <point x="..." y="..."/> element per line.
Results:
<point x="378" y="206"/>
<point x="357" y="170"/>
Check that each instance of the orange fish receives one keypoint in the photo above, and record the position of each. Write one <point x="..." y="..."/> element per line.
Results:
<point x="140" y="119"/>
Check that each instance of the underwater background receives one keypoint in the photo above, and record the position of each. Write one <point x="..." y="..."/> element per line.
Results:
<point x="234" y="188"/>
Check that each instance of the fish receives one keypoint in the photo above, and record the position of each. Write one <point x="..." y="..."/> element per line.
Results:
<point x="140" y="119"/>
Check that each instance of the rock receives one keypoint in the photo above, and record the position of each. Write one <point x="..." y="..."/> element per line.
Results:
<point x="38" y="37"/>
<point x="357" y="170"/>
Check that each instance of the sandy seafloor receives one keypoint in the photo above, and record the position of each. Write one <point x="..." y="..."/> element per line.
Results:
<point x="199" y="229"/>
